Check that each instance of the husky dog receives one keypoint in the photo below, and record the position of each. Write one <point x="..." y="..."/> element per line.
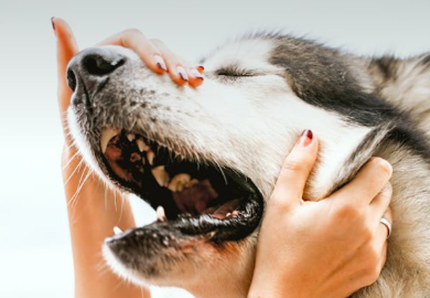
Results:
<point x="208" y="158"/>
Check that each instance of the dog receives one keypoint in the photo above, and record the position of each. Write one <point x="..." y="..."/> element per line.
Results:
<point x="208" y="158"/>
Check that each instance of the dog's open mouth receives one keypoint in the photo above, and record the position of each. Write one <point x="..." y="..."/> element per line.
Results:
<point x="193" y="199"/>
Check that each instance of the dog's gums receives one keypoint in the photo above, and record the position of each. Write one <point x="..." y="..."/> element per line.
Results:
<point x="194" y="198"/>
<point x="208" y="158"/>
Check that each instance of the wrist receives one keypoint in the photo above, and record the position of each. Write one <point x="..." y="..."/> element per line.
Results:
<point x="282" y="286"/>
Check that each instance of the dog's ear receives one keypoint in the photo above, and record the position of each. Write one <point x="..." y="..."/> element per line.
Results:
<point x="404" y="82"/>
<point x="329" y="79"/>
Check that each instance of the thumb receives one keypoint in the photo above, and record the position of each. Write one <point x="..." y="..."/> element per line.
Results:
<point x="66" y="49"/>
<point x="295" y="171"/>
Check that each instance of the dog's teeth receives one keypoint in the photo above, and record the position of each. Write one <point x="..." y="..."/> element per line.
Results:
<point x="165" y="242"/>
<point x="161" y="215"/>
<point x="117" y="230"/>
<point x="106" y="136"/>
<point x="150" y="155"/>
<point x="191" y="183"/>
<point x="131" y="137"/>
<point x="179" y="181"/>
<point x="161" y="176"/>
<point x="141" y="144"/>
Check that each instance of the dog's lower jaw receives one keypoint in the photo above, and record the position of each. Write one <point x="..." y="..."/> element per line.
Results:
<point x="225" y="271"/>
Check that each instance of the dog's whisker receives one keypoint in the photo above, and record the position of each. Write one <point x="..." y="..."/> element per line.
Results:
<point x="78" y="166"/>
<point x="74" y="199"/>
<point x="70" y="160"/>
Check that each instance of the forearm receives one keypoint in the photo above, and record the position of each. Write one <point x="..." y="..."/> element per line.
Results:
<point x="93" y="212"/>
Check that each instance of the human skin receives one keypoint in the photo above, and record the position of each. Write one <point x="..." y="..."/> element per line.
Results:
<point x="330" y="248"/>
<point x="94" y="209"/>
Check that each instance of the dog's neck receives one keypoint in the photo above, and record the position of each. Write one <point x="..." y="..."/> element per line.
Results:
<point x="343" y="146"/>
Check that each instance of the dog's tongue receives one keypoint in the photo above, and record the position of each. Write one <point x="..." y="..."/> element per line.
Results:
<point x="194" y="198"/>
<point x="228" y="209"/>
<point x="113" y="154"/>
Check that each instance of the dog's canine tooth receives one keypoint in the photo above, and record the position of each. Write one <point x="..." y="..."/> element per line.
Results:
<point x="178" y="182"/>
<point x="141" y="144"/>
<point x="106" y="136"/>
<point x="161" y="175"/>
<point x="150" y="155"/>
<point x="117" y="230"/>
<point x="161" y="214"/>
<point x="131" y="137"/>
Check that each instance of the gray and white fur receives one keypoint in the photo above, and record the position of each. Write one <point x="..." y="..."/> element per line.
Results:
<point x="260" y="92"/>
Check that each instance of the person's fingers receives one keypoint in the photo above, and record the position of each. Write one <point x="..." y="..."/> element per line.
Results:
<point x="381" y="237"/>
<point x="135" y="40"/>
<point x="368" y="182"/>
<point x="383" y="258"/>
<point x="295" y="171"/>
<point x="196" y="77"/>
<point x="382" y="229"/>
<point x="66" y="49"/>
<point x="178" y="68"/>
<point x="380" y="203"/>
<point x="175" y="64"/>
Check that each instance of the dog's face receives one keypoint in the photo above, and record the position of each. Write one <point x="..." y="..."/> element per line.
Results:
<point x="209" y="156"/>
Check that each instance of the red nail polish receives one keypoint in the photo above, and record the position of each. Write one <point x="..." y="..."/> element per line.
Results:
<point x="160" y="62"/>
<point x="183" y="77"/>
<point x="200" y="69"/>
<point x="196" y="74"/>
<point x="182" y="74"/>
<point x="53" y="24"/>
<point x="305" y="138"/>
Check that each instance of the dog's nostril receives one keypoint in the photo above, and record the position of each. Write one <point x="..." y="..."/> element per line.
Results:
<point x="71" y="79"/>
<point x="97" y="65"/>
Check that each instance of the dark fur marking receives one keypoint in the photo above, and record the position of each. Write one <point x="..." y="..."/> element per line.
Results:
<point x="426" y="60"/>
<point x="387" y="66"/>
<point x="319" y="76"/>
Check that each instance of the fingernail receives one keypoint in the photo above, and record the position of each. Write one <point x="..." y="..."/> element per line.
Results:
<point x="182" y="73"/>
<point x="160" y="62"/>
<point x="201" y="68"/>
<point x="53" y="24"/>
<point x="195" y="73"/>
<point x="305" y="138"/>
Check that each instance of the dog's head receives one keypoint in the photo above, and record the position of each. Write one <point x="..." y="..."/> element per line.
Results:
<point x="208" y="156"/>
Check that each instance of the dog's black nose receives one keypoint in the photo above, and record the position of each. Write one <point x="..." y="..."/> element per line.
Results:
<point x="93" y="65"/>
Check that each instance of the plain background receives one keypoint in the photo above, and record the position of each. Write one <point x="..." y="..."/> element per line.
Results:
<point x="35" y="254"/>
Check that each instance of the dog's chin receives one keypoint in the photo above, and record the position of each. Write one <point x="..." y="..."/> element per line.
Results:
<point x="200" y="206"/>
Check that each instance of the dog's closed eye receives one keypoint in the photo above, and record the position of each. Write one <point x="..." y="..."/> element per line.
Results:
<point x="235" y="71"/>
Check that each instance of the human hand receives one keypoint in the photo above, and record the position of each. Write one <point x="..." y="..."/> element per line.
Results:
<point x="330" y="248"/>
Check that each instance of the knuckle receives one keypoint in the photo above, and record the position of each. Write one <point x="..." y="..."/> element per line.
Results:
<point x="277" y="201"/>
<point x="348" y="211"/>
<point x="368" y="234"/>
<point x="131" y="31"/>
<point x="372" y="274"/>
<point x="383" y="165"/>
<point x="157" y="42"/>
<point x="292" y="165"/>
<point x="387" y="192"/>
<point x="389" y="215"/>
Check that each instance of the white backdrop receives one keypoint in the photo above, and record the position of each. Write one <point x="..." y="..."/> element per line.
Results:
<point x="35" y="253"/>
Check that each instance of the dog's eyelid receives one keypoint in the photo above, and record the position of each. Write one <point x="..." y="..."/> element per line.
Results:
<point x="240" y="73"/>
